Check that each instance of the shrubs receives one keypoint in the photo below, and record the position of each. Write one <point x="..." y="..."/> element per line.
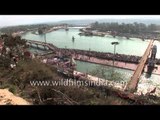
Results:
<point x="4" y="62"/>
<point x="11" y="88"/>
<point x="27" y="71"/>
<point x="12" y="42"/>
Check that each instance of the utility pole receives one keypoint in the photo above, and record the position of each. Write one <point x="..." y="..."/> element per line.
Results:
<point x="114" y="43"/>
<point x="45" y="38"/>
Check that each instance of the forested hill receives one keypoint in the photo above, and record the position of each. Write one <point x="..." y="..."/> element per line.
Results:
<point x="83" y="22"/>
<point x="135" y="28"/>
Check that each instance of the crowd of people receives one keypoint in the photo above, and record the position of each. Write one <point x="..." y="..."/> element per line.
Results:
<point x="108" y="56"/>
<point x="63" y="63"/>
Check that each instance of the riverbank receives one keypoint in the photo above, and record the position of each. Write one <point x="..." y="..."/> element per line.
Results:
<point x="50" y="30"/>
<point x="92" y="33"/>
<point x="54" y="29"/>
<point x="142" y="36"/>
<point x="19" y="33"/>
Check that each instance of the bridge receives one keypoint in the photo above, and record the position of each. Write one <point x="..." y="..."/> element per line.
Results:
<point x="132" y="84"/>
<point x="48" y="45"/>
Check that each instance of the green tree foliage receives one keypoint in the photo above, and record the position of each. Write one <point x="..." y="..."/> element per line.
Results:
<point x="12" y="29"/>
<point x="134" y="28"/>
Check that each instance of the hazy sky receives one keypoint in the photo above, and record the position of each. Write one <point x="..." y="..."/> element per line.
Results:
<point x="7" y="20"/>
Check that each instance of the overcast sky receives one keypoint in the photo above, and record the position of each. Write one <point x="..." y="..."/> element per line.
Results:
<point x="8" y="20"/>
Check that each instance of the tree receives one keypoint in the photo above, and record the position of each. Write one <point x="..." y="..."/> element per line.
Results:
<point x="151" y="27"/>
<point x="135" y="28"/>
<point x="40" y="31"/>
<point x="13" y="42"/>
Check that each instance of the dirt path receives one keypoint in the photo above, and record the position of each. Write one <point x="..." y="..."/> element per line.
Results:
<point x="8" y="98"/>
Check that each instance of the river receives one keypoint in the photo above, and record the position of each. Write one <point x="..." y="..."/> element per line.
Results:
<point x="62" y="39"/>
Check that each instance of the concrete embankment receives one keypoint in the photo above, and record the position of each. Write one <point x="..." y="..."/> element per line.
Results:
<point x="118" y="64"/>
<point x="106" y="56"/>
<point x="128" y="62"/>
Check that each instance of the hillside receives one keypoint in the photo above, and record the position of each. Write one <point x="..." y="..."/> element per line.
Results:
<point x="8" y="98"/>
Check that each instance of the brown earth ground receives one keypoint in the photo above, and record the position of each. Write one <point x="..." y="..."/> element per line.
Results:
<point x="8" y="98"/>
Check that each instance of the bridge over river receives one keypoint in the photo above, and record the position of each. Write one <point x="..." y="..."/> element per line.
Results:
<point x="132" y="84"/>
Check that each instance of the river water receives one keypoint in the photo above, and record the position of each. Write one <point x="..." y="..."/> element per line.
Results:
<point x="62" y="39"/>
